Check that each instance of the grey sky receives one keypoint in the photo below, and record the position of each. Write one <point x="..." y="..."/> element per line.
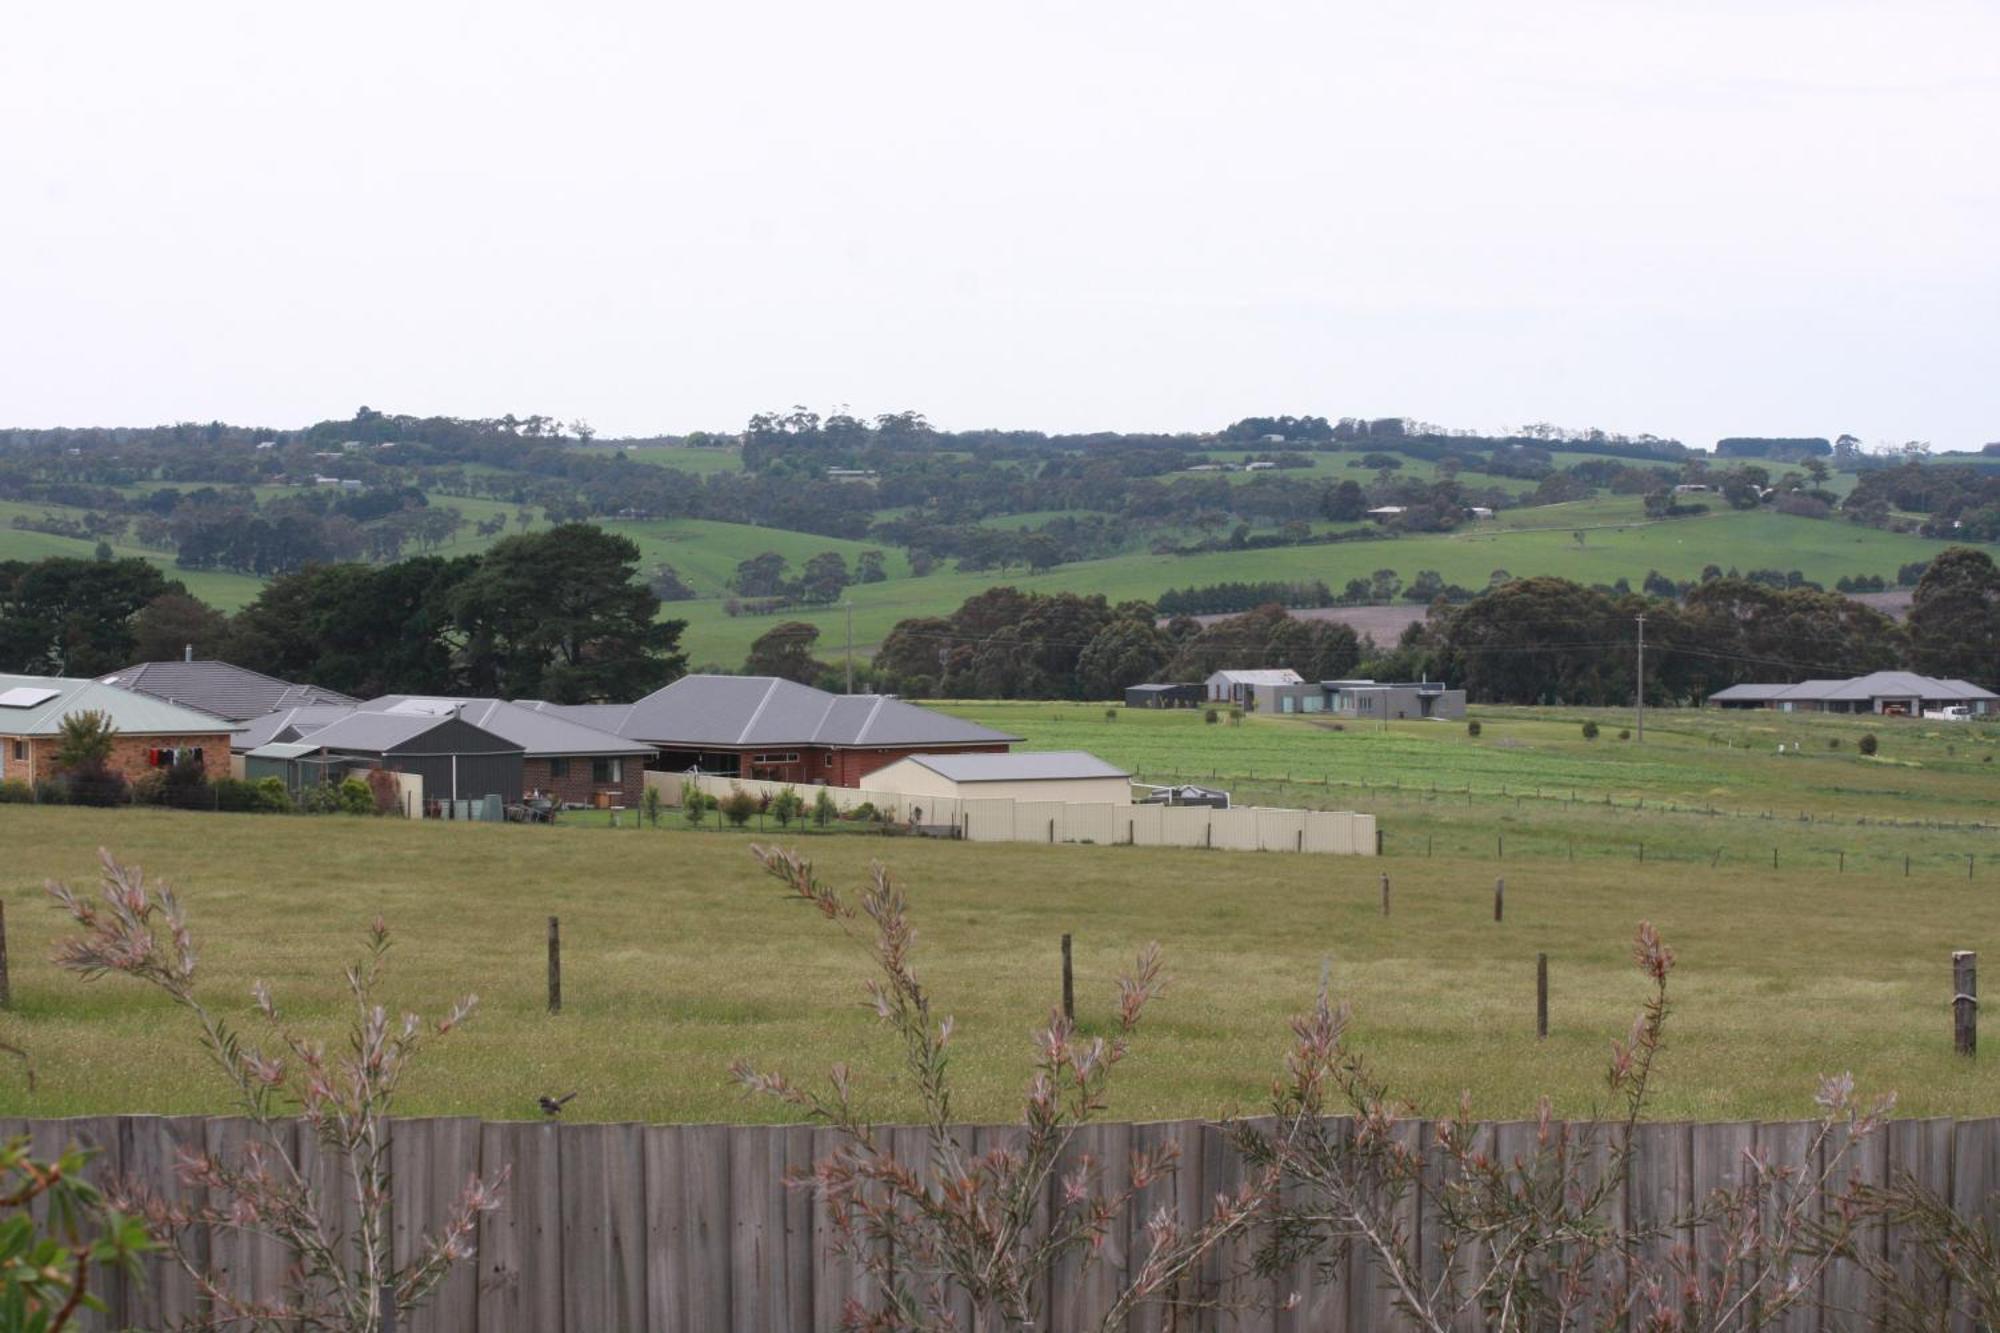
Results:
<point x="1691" y="218"/>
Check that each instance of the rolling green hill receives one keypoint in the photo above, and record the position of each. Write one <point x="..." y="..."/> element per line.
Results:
<point x="1617" y="542"/>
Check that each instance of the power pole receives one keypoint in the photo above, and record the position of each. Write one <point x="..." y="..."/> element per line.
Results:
<point x="849" y="604"/>
<point x="1640" y="693"/>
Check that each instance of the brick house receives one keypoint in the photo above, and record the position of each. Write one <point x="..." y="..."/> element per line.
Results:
<point x="779" y="731"/>
<point x="151" y="734"/>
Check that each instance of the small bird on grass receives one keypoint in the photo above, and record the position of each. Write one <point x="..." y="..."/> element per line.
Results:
<point x="552" y="1106"/>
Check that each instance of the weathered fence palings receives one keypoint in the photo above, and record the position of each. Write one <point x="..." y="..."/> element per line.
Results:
<point x="692" y="1227"/>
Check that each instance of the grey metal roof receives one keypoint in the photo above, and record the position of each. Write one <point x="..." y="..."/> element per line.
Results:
<point x="282" y="750"/>
<point x="130" y="713"/>
<point x="1257" y="676"/>
<point x="1735" y="692"/>
<point x="1026" y="766"/>
<point x="1862" y="689"/>
<point x="222" y="688"/>
<point x="377" y="733"/>
<point x="287" y="724"/>
<point x="764" y="710"/>
<point x="540" y="732"/>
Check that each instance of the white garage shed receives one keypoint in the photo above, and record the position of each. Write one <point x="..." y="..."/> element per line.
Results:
<point x="1053" y="775"/>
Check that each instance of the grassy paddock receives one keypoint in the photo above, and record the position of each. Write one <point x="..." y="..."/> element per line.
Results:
<point x="679" y="957"/>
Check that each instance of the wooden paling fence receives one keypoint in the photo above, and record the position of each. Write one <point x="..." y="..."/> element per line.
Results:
<point x="610" y="1227"/>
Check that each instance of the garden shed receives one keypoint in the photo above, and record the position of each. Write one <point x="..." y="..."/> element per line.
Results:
<point x="1053" y="775"/>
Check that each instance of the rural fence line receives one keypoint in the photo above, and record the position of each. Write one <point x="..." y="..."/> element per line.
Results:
<point x="1568" y="797"/>
<point x="691" y="1228"/>
<point x="1241" y="828"/>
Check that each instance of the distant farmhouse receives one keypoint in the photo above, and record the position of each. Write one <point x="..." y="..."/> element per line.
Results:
<point x="1242" y="687"/>
<point x="1888" y="693"/>
<point x="151" y="734"/>
<point x="1283" y="691"/>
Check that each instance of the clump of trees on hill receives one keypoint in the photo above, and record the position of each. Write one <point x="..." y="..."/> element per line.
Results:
<point x="561" y="615"/>
<point x="1528" y="641"/>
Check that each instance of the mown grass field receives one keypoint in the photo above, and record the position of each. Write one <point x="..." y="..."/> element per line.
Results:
<point x="679" y="956"/>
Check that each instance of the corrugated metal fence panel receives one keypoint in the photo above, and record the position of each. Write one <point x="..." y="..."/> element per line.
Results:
<point x="1140" y="825"/>
<point x="988" y="821"/>
<point x="1235" y="830"/>
<point x="1281" y="830"/>
<point x="1094" y="823"/>
<point x="1329" y="831"/>
<point x="1184" y="825"/>
<point x="1245" y="828"/>
<point x="1039" y="821"/>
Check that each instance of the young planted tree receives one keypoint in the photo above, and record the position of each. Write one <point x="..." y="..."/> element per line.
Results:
<point x="337" y="1234"/>
<point x="824" y="809"/>
<point x="1541" y="1239"/>
<point x="650" y="805"/>
<point x="980" y="1228"/>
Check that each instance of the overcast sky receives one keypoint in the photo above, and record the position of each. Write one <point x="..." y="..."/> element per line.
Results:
<point x="1689" y="218"/>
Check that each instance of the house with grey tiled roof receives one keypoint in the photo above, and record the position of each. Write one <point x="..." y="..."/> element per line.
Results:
<point x="774" y="729"/>
<point x="224" y="689"/>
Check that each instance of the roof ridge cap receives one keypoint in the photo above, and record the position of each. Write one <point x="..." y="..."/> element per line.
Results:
<point x="770" y="689"/>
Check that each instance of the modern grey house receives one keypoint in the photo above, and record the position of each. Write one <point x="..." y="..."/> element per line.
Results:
<point x="1889" y="693"/>
<point x="220" y="689"/>
<point x="1376" y="701"/>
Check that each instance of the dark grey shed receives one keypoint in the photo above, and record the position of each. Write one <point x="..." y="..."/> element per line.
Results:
<point x="1164" y="696"/>
<point x="456" y="760"/>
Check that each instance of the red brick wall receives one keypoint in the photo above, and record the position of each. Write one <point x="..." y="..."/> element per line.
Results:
<point x="852" y="767"/>
<point x="128" y="754"/>
<point x="575" y="785"/>
<point x="849" y="767"/>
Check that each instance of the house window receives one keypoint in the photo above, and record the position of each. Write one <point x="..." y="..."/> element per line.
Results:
<point x="606" y="770"/>
<point x="829" y="760"/>
<point x="21" y="751"/>
<point x="787" y="757"/>
<point x="558" y="768"/>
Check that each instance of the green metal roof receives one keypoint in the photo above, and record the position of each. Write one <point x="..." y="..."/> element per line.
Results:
<point x="131" y="713"/>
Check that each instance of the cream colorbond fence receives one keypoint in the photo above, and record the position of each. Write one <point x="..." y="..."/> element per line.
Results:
<point x="1244" y="829"/>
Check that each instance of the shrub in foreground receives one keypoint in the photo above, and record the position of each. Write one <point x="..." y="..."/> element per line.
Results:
<point x="1590" y="731"/>
<point x="334" y="1226"/>
<point x="992" y="1235"/>
<point x="1868" y="745"/>
<point x="16" y="791"/>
